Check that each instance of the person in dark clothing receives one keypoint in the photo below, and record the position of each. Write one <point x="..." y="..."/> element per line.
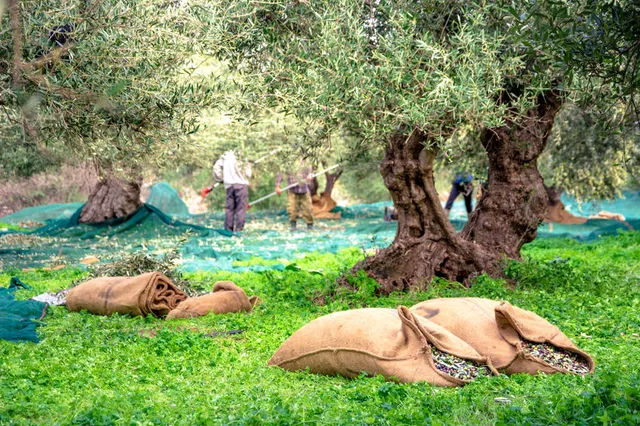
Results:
<point x="390" y="214"/>
<point x="235" y="178"/>
<point x="462" y="184"/>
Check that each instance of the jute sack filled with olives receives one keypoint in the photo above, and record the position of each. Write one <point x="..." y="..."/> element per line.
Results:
<point x="392" y="342"/>
<point x="225" y="298"/>
<point x="516" y="340"/>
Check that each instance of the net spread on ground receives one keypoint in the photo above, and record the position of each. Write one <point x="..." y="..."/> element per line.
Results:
<point x="55" y="238"/>
<point x="19" y="318"/>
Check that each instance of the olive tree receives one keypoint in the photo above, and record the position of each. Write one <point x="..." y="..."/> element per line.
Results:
<point x="404" y="76"/>
<point x="103" y="81"/>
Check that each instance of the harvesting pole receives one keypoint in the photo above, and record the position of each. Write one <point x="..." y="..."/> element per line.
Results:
<point x="311" y="176"/>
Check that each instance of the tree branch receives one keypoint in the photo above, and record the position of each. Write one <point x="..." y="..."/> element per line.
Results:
<point x="72" y="95"/>
<point x="50" y="57"/>
<point x="16" y="32"/>
<point x="66" y="93"/>
<point x="27" y="128"/>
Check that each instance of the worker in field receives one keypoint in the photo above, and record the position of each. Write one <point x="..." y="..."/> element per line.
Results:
<point x="235" y="176"/>
<point x="390" y="214"/>
<point x="462" y="184"/>
<point x="299" y="196"/>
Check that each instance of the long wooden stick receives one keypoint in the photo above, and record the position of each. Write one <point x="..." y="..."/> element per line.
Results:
<point x="264" y="157"/>
<point x="292" y="185"/>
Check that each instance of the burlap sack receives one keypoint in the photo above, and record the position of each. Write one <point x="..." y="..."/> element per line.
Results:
<point x="496" y="329"/>
<point x="558" y="214"/>
<point x="390" y="342"/>
<point x="226" y="298"/>
<point x="321" y="206"/>
<point x="150" y="293"/>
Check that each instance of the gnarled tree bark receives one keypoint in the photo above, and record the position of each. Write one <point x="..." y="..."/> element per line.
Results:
<point x="515" y="201"/>
<point x="426" y="245"/>
<point x="111" y="199"/>
<point x="507" y="216"/>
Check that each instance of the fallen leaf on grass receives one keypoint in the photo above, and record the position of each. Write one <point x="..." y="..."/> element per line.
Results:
<point x="89" y="260"/>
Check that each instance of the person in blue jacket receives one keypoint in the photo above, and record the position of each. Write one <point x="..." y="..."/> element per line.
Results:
<point x="462" y="184"/>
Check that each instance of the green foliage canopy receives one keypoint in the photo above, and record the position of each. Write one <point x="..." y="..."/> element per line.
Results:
<point x="424" y="65"/>
<point x="587" y="158"/>
<point x="118" y="92"/>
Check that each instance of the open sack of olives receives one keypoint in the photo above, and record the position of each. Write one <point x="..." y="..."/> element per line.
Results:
<point x="516" y="340"/>
<point x="394" y="343"/>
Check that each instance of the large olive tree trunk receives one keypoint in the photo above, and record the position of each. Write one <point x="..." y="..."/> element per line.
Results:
<point x="111" y="198"/>
<point x="515" y="201"/>
<point x="426" y="245"/>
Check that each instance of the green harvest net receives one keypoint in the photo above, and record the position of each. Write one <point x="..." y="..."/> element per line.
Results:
<point x="266" y="242"/>
<point x="19" y="318"/>
<point x="166" y="199"/>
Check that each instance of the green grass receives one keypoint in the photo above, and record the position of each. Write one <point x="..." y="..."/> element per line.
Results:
<point x="4" y="225"/>
<point x="120" y="370"/>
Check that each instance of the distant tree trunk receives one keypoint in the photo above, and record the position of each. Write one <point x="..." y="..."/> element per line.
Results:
<point x="323" y="204"/>
<point x="515" y="201"/>
<point x="111" y="198"/>
<point x="507" y="216"/>
<point x="554" y="194"/>
<point x="313" y="186"/>
<point x="331" y="181"/>
<point x="556" y="211"/>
